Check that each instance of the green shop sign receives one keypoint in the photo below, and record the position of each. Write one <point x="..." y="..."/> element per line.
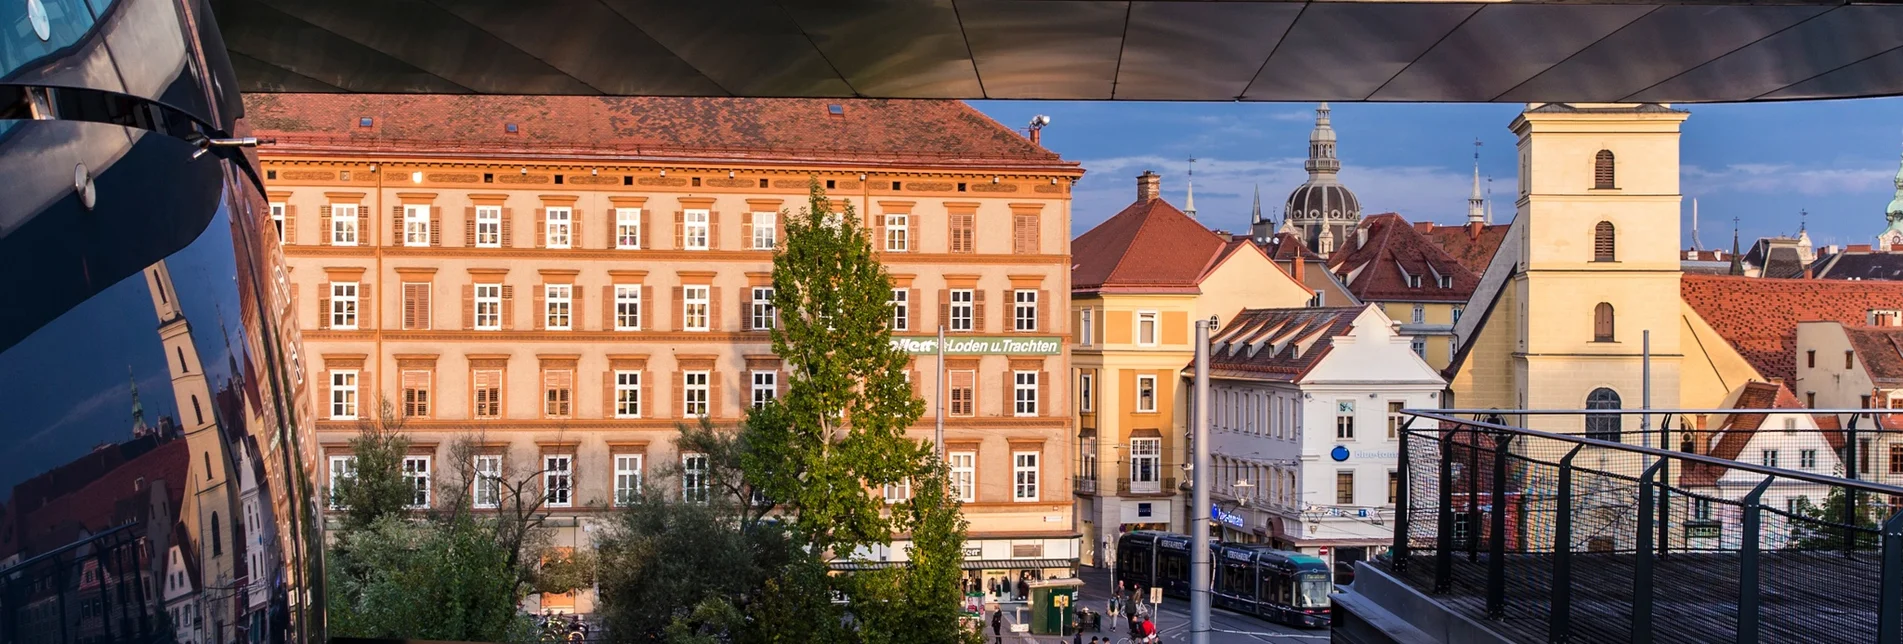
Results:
<point x="981" y="345"/>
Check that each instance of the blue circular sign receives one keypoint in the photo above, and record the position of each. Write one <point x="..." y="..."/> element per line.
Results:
<point x="1340" y="453"/>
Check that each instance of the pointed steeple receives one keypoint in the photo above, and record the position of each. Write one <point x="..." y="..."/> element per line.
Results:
<point x="139" y="427"/>
<point x="1322" y="163"/>
<point x="1189" y="199"/>
<point x="1737" y="260"/>
<point x="1255" y="211"/>
<point x="1695" y="244"/>
<point x="1894" y="212"/>
<point x="1476" y="205"/>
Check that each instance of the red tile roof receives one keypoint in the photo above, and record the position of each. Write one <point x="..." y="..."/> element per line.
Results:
<point x="622" y="128"/>
<point x="1759" y="316"/>
<point x="1277" y="344"/>
<point x="1149" y="247"/>
<point x="1471" y="245"/>
<point x="1740" y="428"/>
<point x="1880" y="349"/>
<point x="1283" y="247"/>
<point x="1392" y="246"/>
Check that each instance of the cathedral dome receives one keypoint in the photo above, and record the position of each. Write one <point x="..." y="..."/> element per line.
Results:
<point x="1323" y="201"/>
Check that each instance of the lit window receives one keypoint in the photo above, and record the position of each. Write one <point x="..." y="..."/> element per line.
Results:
<point x="1146" y="393"/>
<point x="488" y="307"/>
<point x="558" y="477"/>
<point x="416" y="230"/>
<point x="694" y="229"/>
<point x="1024" y="393"/>
<point x="488" y="484"/>
<point x="694" y="394"/>
<point x="764" y="233"/>
<point x="343" y="305"/>
<point x="488" y="227"/>
<point x="1024" y="310"/>
<point x="627" y="394"/>
<point x="961" y="310"/>
<point x="556" y="306"/>
<point x="343" y="224"/>
<point x="342" y="468"/>
<point x="627" y="478"/>
<point x="694" y="487"/>
<point x="1146" y="328"/>
<point x="897" y="233"/>
<point x="760" y="314"/>
<point x="1024" y="476"/>
<point x="416" y="471"/>
<point x="1086" y="392"/>
<point x="901" y="304"/>
<point x="627" y="228"/>
<point x="766" y="387"/>
<point x="343" y="395"/>
<point x="627" y="307"/>
<point x="557" y="222"/>
<point x="694" y="305"/>
<point x="1394" y="418"/>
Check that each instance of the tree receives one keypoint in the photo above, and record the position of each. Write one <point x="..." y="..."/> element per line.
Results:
<point x="839" y="432"/>
<point x="1823" y="528"/>
<point x="379" y="488"/>
<point x="922" y="601"/>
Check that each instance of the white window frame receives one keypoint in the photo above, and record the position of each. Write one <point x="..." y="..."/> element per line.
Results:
<point x="345" y="229"/>
<point x="898" y="492"/>
<point x="964" y="475"/>
<point x="627" y="307"/>
<point x="1024" y="393"/>
<point x="1024" y="476"/>
<point x="1807" y="459"/>
<point x="1086" y="392"/>
<point x="1344" y="431"/>
<point x="1767" y="457"/>
<point x="694" y="396"/>
<point x="766" y="388"/>
<point x="1418" y="345"/>
<point x="277" y="217"/>
<point x="1419" y="315"/>
<point x="761" y="313"/>
<point x="558" y="480"/>
<point x="488" y="483"/>
<point x="627" y="389"/>
<point x="1456" y="311"/>
<point x="1156" y="329"/>
<point x="417" y="470"/>
<point x="694" y="483"/>
<point x="558" y="227"/>
<point x="901" y="304"/>
<point x="1146" y="382"/>
<point x="696" y="300"/>
<point x="1024" y="310"/>
<point x="491" y="300"/>
<point x="1146" y="465"/>
<point x="765" y="231"/>
<point x="898" y="232"/>
<point x="341" y="468"/>
<point x="628" y="228"/>
<point x="488" y="227"/>
<point x="344" y="305"/>
<point x="416" y="225"/>
<point x="962" y="313"/>
<point x="558" y="301"/>
<point x="1086" y="327"/>
<point x="695" y="229"/>
<point x="344" y="384"/>
<point x="627" y="479"/>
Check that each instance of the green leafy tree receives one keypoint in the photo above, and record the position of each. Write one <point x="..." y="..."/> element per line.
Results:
<point x="921" y="602"/>
<point x="840" y="429"/>
<point x="1825" y="528"/>
<point x="379" y="488"/>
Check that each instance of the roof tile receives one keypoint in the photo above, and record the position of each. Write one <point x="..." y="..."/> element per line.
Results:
<point x="1373" y="270"/>
<point x="1759" y="316"/>
<point x="1149" y="246"/>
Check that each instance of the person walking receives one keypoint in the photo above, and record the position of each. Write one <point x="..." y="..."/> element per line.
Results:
<point x="1111" y="606"/>
<point x="1024" y="590"/>
<point x="997" y="624"/>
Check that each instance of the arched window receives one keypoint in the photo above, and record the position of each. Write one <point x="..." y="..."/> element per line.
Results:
<point x="198" y="415"/>
<point x="217" y="540"/>
<point x="1602" y="170"/>
<point x="1602" y="426"/>
<point x="181" y="360"/>
<point x="1603" y="248"/>
<point x="1602" y="323"/>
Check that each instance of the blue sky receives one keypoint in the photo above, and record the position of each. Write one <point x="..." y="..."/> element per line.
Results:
<point x="1761" y="163"/>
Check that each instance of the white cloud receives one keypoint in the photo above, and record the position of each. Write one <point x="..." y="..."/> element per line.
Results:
<point x="1782" y="178"/>
<point x="1224" y="188"/>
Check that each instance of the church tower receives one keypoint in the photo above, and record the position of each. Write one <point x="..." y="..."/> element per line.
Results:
<point x="1598" y="260"/>
<point x="1893" y="216"/>
<point x="1321" y="209"/>
<point x="207" y="511"/>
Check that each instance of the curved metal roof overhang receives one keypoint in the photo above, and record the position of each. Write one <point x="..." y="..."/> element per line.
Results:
<point x="1356" y="50"/>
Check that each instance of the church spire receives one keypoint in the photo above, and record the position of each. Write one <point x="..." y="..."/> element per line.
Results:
<point x="1476" y="205"/>
<point x="1322" y="162"/>
<point x="1255" y="211"/>
<point x="139" y="427"/>
<point x="1189" y="199"/>
<point x="1737" y="260"/>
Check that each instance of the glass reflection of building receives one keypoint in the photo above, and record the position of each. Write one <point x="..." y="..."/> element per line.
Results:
<point x="172" y="507"/>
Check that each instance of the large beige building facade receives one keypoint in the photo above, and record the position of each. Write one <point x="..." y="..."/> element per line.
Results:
<point x="566" y="280"/>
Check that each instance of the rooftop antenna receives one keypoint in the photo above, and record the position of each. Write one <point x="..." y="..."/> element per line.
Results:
<point x="1695" y="244"/>
<point x="1803" y="218"/>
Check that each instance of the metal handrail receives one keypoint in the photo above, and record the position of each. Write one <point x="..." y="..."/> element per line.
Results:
<point x="1812" y="477"/>
<point x="1875" y="411"/>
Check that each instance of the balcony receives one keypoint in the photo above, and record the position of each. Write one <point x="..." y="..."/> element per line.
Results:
<point x="1084" y="485"/>
<point x="1160" y="486"/>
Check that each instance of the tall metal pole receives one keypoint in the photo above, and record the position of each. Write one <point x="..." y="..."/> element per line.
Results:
<point x="938" y="433"/>
<point x="1645" y="392"/>
<point x="1199" y="560"/>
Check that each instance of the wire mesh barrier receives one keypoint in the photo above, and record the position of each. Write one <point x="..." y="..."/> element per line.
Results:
<point x="1560" y="537"/>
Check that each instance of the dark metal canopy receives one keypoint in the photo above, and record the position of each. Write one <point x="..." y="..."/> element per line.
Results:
<point x="1372" y="50"/>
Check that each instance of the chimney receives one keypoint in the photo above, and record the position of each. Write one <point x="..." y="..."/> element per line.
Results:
<point x="1473" y="229"/>
<point x="1424" y="226"/>
<point x="1297" y="270"/>
<point x="1361" y="236"/>
<point x="1034" y="135"/>
<point x="1149" y="186"/>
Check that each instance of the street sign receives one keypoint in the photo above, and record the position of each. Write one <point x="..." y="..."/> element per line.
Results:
<point x="1156" y="595"/>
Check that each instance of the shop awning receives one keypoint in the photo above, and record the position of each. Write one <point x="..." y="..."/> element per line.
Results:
<point x="969" y="564"/>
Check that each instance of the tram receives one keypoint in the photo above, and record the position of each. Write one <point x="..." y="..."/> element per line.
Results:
<point x="1277" y="585"/>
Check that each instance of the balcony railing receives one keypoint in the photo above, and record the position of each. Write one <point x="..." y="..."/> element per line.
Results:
<point x="1161" y="486"/>
<point x="1083" y="484"/>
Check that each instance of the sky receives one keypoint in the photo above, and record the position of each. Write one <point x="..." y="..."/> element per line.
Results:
<point x="1761" y="163"/>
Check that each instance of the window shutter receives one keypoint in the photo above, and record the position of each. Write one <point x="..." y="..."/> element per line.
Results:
<point x="1010" y="380"/>
<point x="944" y="308"/>
<point x="680" y="307"/>
<point x="677" y="409"/>
<point x="436" y="226"/>
<point x="713" y="308"/>
<point x="366" y="307"/>
<point x="746" y="307"/>
<point x="649" y="321"/>
<point x="323" y="225"/>
<point x="541" y="228"/>
<point x="713" y="394"/>
<point x="978" y="323"/>
<point x="294" y="300"/>
<point x="576" y="306"/>
<point x="608" y="394"/>
<point x="323" y="305"/>
<point x="647" y="232"/>
<point x="608" y="307"/>
<point x="411" y="305"/>
<point x="469" y="306"/>
<point x="746" y="229"/>
<point x="912" y="302"/>
<point x="469" y="227"/>
<point x="363" y="225"/>
<point x="541" y="307"/>
<point x="290" y="223"/>
<point x="508" y="307"/>
<point x="680" y="229"/>
<point x="713" y="232"/>
<point x="323" y="395"/>
<point x="1044" y="307"/>
<point x="508" y="227"/>
<point x="1044" y="394"/>
<point x="396" y="226"/>
<point x="878" y="232"/>
<point x="575" y="217"/>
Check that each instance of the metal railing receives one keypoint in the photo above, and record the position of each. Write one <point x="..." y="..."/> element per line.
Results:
<point x="1083" y="484"/>
<point x="1561" y="537"/>
<point x="1161" y="486"/>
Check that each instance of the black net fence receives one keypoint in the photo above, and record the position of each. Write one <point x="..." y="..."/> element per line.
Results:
<point x="1551" y="538"/>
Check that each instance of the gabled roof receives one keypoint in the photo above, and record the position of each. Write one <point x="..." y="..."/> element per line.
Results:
<point x="1277" y="344"/>
<point x="1739" y="429"/>
<point x="1860" y="266"/>
<point x="1880" y="349"/>
<point x="1473" y="246"/>
<point x="1149" y="247"/>
<point x="935" y="132"/>
<point x="1759" y="316"/>
<point x="1378" y="270"/>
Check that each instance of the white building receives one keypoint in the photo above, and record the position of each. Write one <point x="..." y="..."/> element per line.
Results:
<point x="1305" y="410"/>
<point x="181" y="593"/>
<point x="1788" y="440"/>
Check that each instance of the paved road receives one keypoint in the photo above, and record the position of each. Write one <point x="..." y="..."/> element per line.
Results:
<point x="1173" y="622"/>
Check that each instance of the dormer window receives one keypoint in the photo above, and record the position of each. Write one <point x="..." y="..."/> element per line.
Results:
<point x="1886" y="317"/>
<point x="1446" y="281"/>
<point x="1413" y="281"/>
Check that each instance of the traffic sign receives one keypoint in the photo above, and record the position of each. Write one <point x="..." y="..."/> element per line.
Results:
<point x="1156" y="595"/>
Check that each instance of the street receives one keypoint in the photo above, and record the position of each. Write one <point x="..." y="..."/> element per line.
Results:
<point x="1172" y="621"/>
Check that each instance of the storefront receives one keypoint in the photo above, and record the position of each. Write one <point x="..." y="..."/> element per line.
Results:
<point x="993" y="566"/>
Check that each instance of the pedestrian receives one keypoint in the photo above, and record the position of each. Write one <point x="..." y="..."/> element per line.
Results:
<point x="997" y="624"/>
<point x="1111" y="605"/>
<point x="1077" y="637"/>
<point x="1024" y="589"/>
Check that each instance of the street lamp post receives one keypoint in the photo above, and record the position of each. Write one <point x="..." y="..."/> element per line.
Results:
<point x="1199" y="560"/>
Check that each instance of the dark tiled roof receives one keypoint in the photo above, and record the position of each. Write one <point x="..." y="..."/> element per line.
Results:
<point x="1759" y="316"/>
<point x="1472" y="246"/>
<point x="1739" y="428"/>
<point x="1373" y="270"/>
<point x="1149" y="247"/>
<point x="736" y="129"/>
<point x="1861" y="266"/>
<point x="1880" y="349"/>
<point x="1277" y="344"/>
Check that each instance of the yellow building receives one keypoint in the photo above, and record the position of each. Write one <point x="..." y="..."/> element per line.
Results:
<point x="1141" y="280"/>
<point x="564" y="280"/>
